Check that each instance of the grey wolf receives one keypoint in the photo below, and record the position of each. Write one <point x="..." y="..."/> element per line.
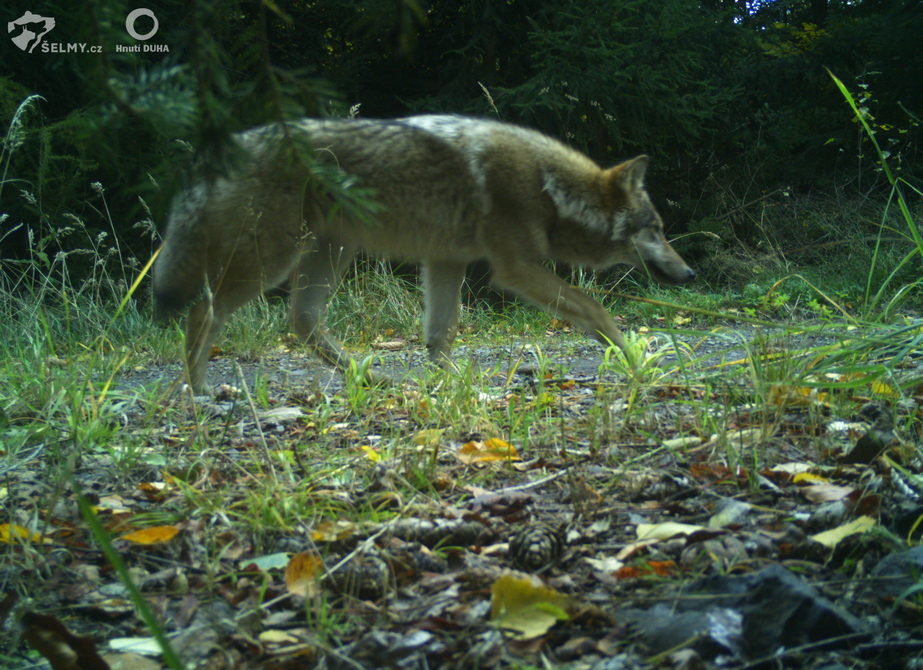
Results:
<point x="449" y="190"/>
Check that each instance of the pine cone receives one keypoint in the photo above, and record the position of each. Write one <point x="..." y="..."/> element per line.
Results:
<point x="537" y="547"/>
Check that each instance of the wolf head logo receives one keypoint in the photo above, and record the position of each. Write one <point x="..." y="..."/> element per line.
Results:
<point x="31" y="29"/>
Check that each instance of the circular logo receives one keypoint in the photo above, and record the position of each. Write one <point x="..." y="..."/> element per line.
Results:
<point x="133" y="16"/>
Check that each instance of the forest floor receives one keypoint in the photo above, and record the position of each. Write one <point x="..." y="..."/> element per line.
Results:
<point x="747" y="499"/>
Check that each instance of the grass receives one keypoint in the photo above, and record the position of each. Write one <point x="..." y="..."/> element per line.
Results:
<point x="244" y="488"/>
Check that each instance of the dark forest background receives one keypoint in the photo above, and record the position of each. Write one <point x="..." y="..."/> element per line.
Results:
<point x="731" y="98"/>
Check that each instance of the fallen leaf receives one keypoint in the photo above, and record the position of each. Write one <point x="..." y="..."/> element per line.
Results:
<point x="526" y="607"/>
<point x="333" y="531"/>
<point x="809" y="478"/>
<point x="666" y="530"/>
<point x="146" y="646"/>
<point x="302" y="573"/>
<point x="820" y="493"/>
<point x="784" y="395"/>
<point x="267" y="562"/>
<point x="371" y="454"/>
<point x="605" y="564"/>
<point x="63" y="649"/>
<point x="830" y="538"/>
<point x="733" y="512"/>
<point x="10" y="532"/>
<point x="277" y="637"/>
<point x="662" y="568"/>
<point x="682" y="442"/>
<point x="281" y="415"/>
<point x="154" y="535"/>
<point x="128" y="661"/>
<point x="881" y="387"/>
<point x="489" y="451"/>
<point x="794" y="468"/>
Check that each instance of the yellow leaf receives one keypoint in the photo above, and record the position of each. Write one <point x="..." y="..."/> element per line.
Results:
<point x="809" y="478"/>
<point x="371" y="454"/>
<point x="526" y="607"/>
<point x="490" y="450"/>
<point x="154" y="535"/>
<point x="881" y="387"/>
<point x="302" y="572"/>
<point x="333" y="531"/>
<point x="10" y="532"/>
<point x="830" y="538"/>
<point x="785" y="395"/>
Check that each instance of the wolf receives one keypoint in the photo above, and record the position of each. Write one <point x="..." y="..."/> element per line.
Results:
<point x="448" y="190"/>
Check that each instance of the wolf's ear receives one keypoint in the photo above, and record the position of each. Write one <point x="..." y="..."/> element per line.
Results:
<point x="630" y="174"/>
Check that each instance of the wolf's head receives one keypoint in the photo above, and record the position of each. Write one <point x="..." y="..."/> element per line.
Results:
<point x="639" y="230"/>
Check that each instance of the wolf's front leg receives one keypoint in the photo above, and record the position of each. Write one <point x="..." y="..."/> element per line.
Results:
<point x="317" y="275"/>
<point x="442" y="282"/>
<point x="545" y="289"/>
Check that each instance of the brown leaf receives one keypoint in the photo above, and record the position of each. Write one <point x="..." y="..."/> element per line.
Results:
<point x="302" y="572"/>
<point x="63" y="649"/>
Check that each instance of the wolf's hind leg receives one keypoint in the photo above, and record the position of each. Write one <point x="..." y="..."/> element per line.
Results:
<point x="205" y="320"/>
<point x="442" y="281"/>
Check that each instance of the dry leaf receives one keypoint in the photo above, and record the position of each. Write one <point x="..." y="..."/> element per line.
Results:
<point x="821" y="493"/>
<point x="146" y="646"/>
<point x="302" y="574"/>
<point x="371" y="454"/>
<point x="794" y="468"/>
<point x="682" y="442"/>
<point x="155" y="535"/>
<point x="831" y="538"/>
<point x="666" y="530"/>
<point x="281" y="415"/>
<point x="605" y="564"/>
<point x="333" y="531"/>
<point x="127" y="661"/>
<point x="784" y="395"/>
<point x="265" y="563"/>
<point x="63" y="649"/>
<point x="662" y="568"/>
<point x="10" y="532"/>
<point x="490" y="450"/>
<point x="810" y="478"/>
<point x="526" y="607"/>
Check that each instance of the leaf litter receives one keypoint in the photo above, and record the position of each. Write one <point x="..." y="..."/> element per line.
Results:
<point x="704" y="523"/>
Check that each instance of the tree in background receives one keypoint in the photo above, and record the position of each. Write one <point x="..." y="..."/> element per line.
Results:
<point x="723" y="92"/>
